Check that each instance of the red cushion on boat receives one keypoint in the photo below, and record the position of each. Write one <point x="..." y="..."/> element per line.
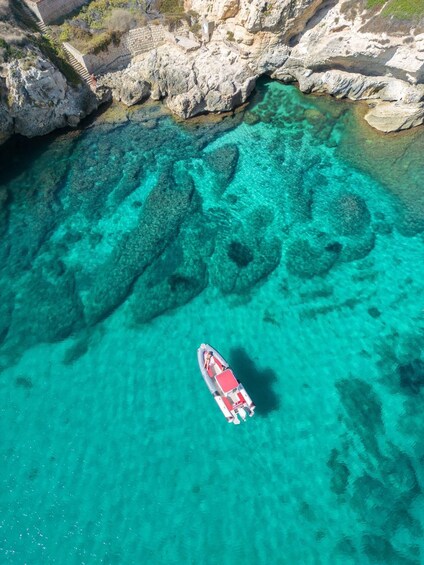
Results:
<point x="218" y="362"/>
<point x="241" y="397"/>
<point x="227" y="380"/>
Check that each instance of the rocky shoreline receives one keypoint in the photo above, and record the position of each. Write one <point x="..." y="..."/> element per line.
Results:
<point x="324" y="48"/>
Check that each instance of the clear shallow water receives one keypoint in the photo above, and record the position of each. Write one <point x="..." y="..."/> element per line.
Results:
<point x="128" y="244"/>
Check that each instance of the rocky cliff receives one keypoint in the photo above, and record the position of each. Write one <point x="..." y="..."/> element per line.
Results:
<point x="340" y="48"/>
<point x="35" y="96"/>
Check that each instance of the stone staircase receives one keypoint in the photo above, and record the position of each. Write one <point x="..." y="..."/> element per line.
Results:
<point x="30" y="19"/>
<point x="42" y="27"/>
<point x="78" y="68"/>
<point x="23" y="14"/>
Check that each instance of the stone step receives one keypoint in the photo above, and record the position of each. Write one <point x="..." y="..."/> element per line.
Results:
<point x="80" y="70"/>
<point x="31" y="19"/>
<point x="24" y="14"/>
<point x="43" y="28"/>
<point x="28" y="17"/>
<point x="83" y="73"/>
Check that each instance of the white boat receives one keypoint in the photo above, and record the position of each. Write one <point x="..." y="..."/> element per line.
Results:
<point x="228" y="392"/>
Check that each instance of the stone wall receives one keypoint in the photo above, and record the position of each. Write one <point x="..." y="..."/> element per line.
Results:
<point x="51" y="10"/>
<point x="117" y="57"/>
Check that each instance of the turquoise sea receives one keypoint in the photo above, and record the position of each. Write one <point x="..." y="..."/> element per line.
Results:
<point x="291" y="237"/>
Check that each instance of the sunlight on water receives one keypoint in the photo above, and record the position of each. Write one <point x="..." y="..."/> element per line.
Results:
<point x="267" y="234"/>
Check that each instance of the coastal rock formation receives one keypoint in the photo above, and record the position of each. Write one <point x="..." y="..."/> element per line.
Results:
<point x="211" y="79"/>
<point x="35" y="95"/>
<point x="6" y="120"/>
<point x="387" y="117"/>
<point x="40" y="99"/>
<point x="325" y="48"/>
<point x="350" y="52"/>
<point x="128" y="87"/>
<point x="283" y="17"/>
<point x="341" y="48"/>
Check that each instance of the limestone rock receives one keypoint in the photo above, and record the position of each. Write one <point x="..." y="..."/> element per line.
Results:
<point x="213" y="79"/>
<point x="40" y="100"/>
<point x="281" y="16"/>
<point x="388" y="117"/>
<point x="228" y="9"/>
<point x="338" y="48"/>
<point x="127" y="86"/>
<point x="6" y="123"/>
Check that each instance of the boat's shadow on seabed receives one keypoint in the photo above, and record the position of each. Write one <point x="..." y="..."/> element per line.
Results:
<point x="258" y="383"/>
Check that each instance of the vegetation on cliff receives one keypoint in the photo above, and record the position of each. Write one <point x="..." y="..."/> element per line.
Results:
<point x="401" y="9"/>
<point x="103" y="22"/>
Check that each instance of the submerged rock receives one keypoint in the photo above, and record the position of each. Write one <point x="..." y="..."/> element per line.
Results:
<point x="379" y="550"/>
<point x="364" y="412"/>
<point x="150" y="300"/>
<point x="312" y="256"/>
<point x="349" y="214"/>
<point x="48" y="308"/>
<point x="239" y="254"/>
<point x="398" y="471"/>
<point x="412" y="376"/>
<point x="372" y="500"/>
<point x="340" y="473"/>
<point x="223" y="161"/>
<point x="239" y="264"/>
<point x="160" y="219"/>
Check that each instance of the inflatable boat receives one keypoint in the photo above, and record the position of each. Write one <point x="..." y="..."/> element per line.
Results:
<point x="228" y="392"/>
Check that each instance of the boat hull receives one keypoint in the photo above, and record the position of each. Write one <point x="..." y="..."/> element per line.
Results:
<point x="228" y="392"/>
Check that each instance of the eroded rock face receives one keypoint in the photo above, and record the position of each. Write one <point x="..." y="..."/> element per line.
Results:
<point x="388" y="117"/>
<point x="40" y="99"/>
<point x="340" y="48"/>
<point x="6" y="121"/>
<point x="212" y="79"/>
<point x="345" y="53"/>
<point x="283" y="16"/>
<point x="128" y="86"/>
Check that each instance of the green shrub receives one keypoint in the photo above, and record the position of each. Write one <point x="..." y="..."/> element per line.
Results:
<point x="89" y="30"/>
<point x="404" y="9"/>
<point x="195" y="28"/>
<point x="11" y="52"/>
<point x="171" y="7"/>
<point x="401" y="9"/>
<point x="100" y="42"/>
<point x="56" y="55"/>
<point x="98" y="11"/>
<point x="75" y="34"/>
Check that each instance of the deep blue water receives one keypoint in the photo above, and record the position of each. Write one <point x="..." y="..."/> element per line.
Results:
<point x="289" y="237"/>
